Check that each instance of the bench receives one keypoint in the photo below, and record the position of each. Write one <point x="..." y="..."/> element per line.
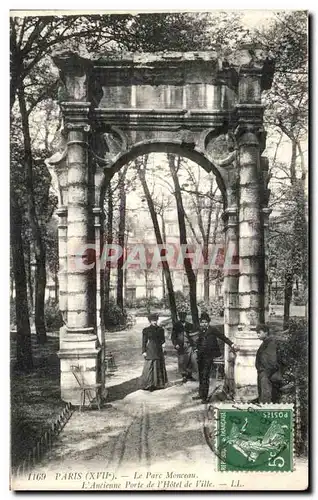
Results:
<point x="86" y="389"/>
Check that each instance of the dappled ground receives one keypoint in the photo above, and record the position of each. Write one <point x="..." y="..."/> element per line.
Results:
<point x="140" y="431"/>
<point x="35" y="397"/>
<point x="126" y="348"/>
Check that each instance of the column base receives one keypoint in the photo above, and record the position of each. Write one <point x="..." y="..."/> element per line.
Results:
<point x="245" y="374"/>
<point x="80" y="349"/>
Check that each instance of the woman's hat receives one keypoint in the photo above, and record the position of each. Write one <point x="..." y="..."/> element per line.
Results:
<point x="205" y="317"/>
<point x="153" y="317"/>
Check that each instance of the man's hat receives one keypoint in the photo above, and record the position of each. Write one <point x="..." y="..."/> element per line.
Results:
<point x="153" y="317"/>
<point x="205" y="317"/>
<point x="182" y="314"/>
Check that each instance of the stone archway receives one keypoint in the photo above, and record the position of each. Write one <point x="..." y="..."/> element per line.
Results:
<point x="115" y="109"/>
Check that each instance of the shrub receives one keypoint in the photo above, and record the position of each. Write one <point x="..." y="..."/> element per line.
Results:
<point x="182" y="301"/>
<point x="114" y="316"/>
<point x="144" y="302"/>
<point x="215" y="306"/>
<point x="294" y="359"/>
<point x="300" y="298"/>
<point x="140" y="302"/>
<point x="53" y="316"/>
<point x="130" y="303"/>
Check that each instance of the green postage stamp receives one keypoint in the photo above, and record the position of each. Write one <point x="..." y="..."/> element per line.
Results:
<point x="254" y="438"/>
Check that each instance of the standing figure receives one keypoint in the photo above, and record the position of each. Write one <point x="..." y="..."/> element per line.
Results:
<point x="208" y="350"/>
<point x="269" y="377"/>
<point x="183" y="342"/>
<point x="154" y="375"/>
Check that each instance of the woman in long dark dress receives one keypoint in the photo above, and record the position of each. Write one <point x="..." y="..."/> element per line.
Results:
<point x="154" y="375"/>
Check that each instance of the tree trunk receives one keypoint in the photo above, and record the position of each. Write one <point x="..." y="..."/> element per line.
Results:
<point x="293" y="162"/>
<point x="121" y="239"/>
<point x="109" y="241"/>
<point x="11" y="285"/>
<point x="164" y="238"/>
<point x="183" y="241"/>
<point x="215" y="228"/>
<point x="39" y="245"/>
<point x="29" y="274"/>
<point x="206" y="273"/>
<point x="24" y="350"/>
<point x="165" y="265"/>
<point x="126" y="270"/>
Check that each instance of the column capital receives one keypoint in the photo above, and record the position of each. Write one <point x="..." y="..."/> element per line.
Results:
<point x="74" y="73"/>
<point x="230" y="217"/>
<point x="97" y="213"/>
<point x="76" y="116"/>
<point x="250" y="134"/>
<point x="266" y="213"/>
<point x="255" y="74"/>
<point x="230" y="213"/>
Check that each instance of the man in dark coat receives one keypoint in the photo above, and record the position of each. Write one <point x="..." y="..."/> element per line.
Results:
<point x="183" y="341"/>
<point x="269" y="377"/>
<point x="208" y="349"/>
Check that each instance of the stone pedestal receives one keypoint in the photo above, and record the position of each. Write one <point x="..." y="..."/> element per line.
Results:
<point x="245" y="371"/>
<point x="78" y="347"/>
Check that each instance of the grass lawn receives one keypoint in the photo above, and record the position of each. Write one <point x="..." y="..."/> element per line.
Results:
<point x="35" y="397"/>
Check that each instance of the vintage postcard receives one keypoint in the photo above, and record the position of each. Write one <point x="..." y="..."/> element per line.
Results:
<point x="159" y="250"/>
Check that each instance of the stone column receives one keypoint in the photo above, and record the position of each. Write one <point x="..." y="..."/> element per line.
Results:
<point x="251" y="142"/>
<point x="251" y="259"/>
<point x="80" y="344"/>
<point x="231" y="304"/>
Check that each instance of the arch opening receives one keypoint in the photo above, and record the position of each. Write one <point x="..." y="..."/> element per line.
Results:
<point x="152" y="289"/>
<point x="177" y="148"/>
